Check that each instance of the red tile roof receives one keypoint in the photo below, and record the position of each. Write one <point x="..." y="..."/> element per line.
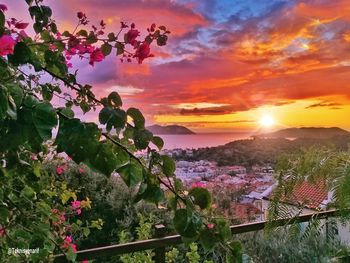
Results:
<point x="308" y="194"/>
<point x="245" y="211"/>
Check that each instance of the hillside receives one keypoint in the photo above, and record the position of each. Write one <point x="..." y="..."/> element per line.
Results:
<point x="261" y="150"/>
<point x="307" y="132"/>
<point x="170" y="129"/>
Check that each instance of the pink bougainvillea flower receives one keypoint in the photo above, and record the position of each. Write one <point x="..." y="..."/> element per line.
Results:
<point x="59" y="170"/>
<point x="23" y="34"/>
<point x="21" y="25"/>
<point x="52" y="47"/>
<point x="3" y="7"/>
<point x="210" y="226"/>
<point x="74" y="247"/>
<point x="78" y="211"/>
<point x="81" y="170"/>
<point x="131" y="35"/>
<point x="63" y="218"/>
<point x="69" y="64"/>
<point x="7" y="45"/>
<point x="143" y="52"/>
<point x="96" y="56"/>
<point x="84" y="261"/>
<point x="54" y="211"/>
<point x="198" y="184"/>
<point x="2" y="231"/>
<point x="68" y="239"/>
<point x="75" y="204"/>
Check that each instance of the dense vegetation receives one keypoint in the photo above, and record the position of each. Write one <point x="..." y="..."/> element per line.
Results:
<point x="38" y="209"/>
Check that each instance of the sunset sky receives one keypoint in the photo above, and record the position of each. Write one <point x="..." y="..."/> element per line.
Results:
<point x="228" y="62"/>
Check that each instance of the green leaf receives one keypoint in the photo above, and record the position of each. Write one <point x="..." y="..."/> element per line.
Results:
<point x="79" y="140"/>
<point x="66" y="33"/>
<point x="201" y="197"/>
<point x="86" y="231"/>
<point x="68" y="112"/>
<point x="180" y="220"/>
<point x="30" y="101"/>
<point x="185" y="223"/>
<point x="120" y="48"/>
<point x="16" y="91"/>
<point x="21" y="54"/>
<point x="53" y="27"/>
<point x="82" y="33"/>
<point x="234" y="255"/>
<point x="21" y="234"/>
<point x="157" y="141"/>
<point x="45" y="35"/>
<point x="142" y="138"/>
<point x="106" y="49"/>
<point x="168" y="166"/>
<point x="223" y="229"/>
<point x="122" y="156"/>
<point x="207" y="239"/>
<point x="114" y="100"/>
<point x="137" y="117"/>
<point x="105" y="115"/>
<point x="46" y="10"/>
<point x="131" y="173"/>
<point x="12" y="108"/>
<point x="84" y="106"/>
<point x="104" y="159"/>
<point x="28" y="192"/>
<point x="162" y="40"/>
<point x="91" y="38"/>
<point x="38" y="27"/>
<point x="3" y="103"/>
<point x="46" y="92"/>
<point x="113" y="118"/>
<point x="71" y="256"/>
<point x="4" y="214"/>
<point x="151" y="193"/>
<point x="111" y="37"/>
<point x="44" y="208"/>
<point x="2" y="21"/>
<point x="45" y="119"/>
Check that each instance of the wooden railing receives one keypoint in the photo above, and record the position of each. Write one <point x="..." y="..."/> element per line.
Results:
<point x="160" y="242"/>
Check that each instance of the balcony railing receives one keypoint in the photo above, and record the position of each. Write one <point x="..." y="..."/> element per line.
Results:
<point x="160" y="242"/>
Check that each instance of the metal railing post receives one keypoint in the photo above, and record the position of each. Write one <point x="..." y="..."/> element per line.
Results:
<point x="159" y="256"/>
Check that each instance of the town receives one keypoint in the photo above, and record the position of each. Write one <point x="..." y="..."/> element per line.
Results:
<point x="237" y="190"/>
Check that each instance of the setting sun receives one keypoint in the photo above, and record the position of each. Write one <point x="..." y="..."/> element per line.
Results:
<point x="267" y="121"/>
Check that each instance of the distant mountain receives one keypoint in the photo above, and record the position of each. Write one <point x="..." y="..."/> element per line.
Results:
<point x="170" y="129"/>
<point x="307" y="132"/>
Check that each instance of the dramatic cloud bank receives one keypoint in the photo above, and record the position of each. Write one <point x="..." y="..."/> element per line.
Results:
<point x="227" y="58"/>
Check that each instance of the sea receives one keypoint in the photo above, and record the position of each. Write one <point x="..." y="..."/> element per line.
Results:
<point x="200" y="140"/>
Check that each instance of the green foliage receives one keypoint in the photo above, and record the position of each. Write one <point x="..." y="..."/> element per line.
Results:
<point x="131" y="173"/>
<point x="193" y="255"/>
<point x="280" y="246"/>
<point x="138" y="119"/>
<point x="168" y="166"/>
<point x="39" y="206"/>
<point x="201" y="197"/>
